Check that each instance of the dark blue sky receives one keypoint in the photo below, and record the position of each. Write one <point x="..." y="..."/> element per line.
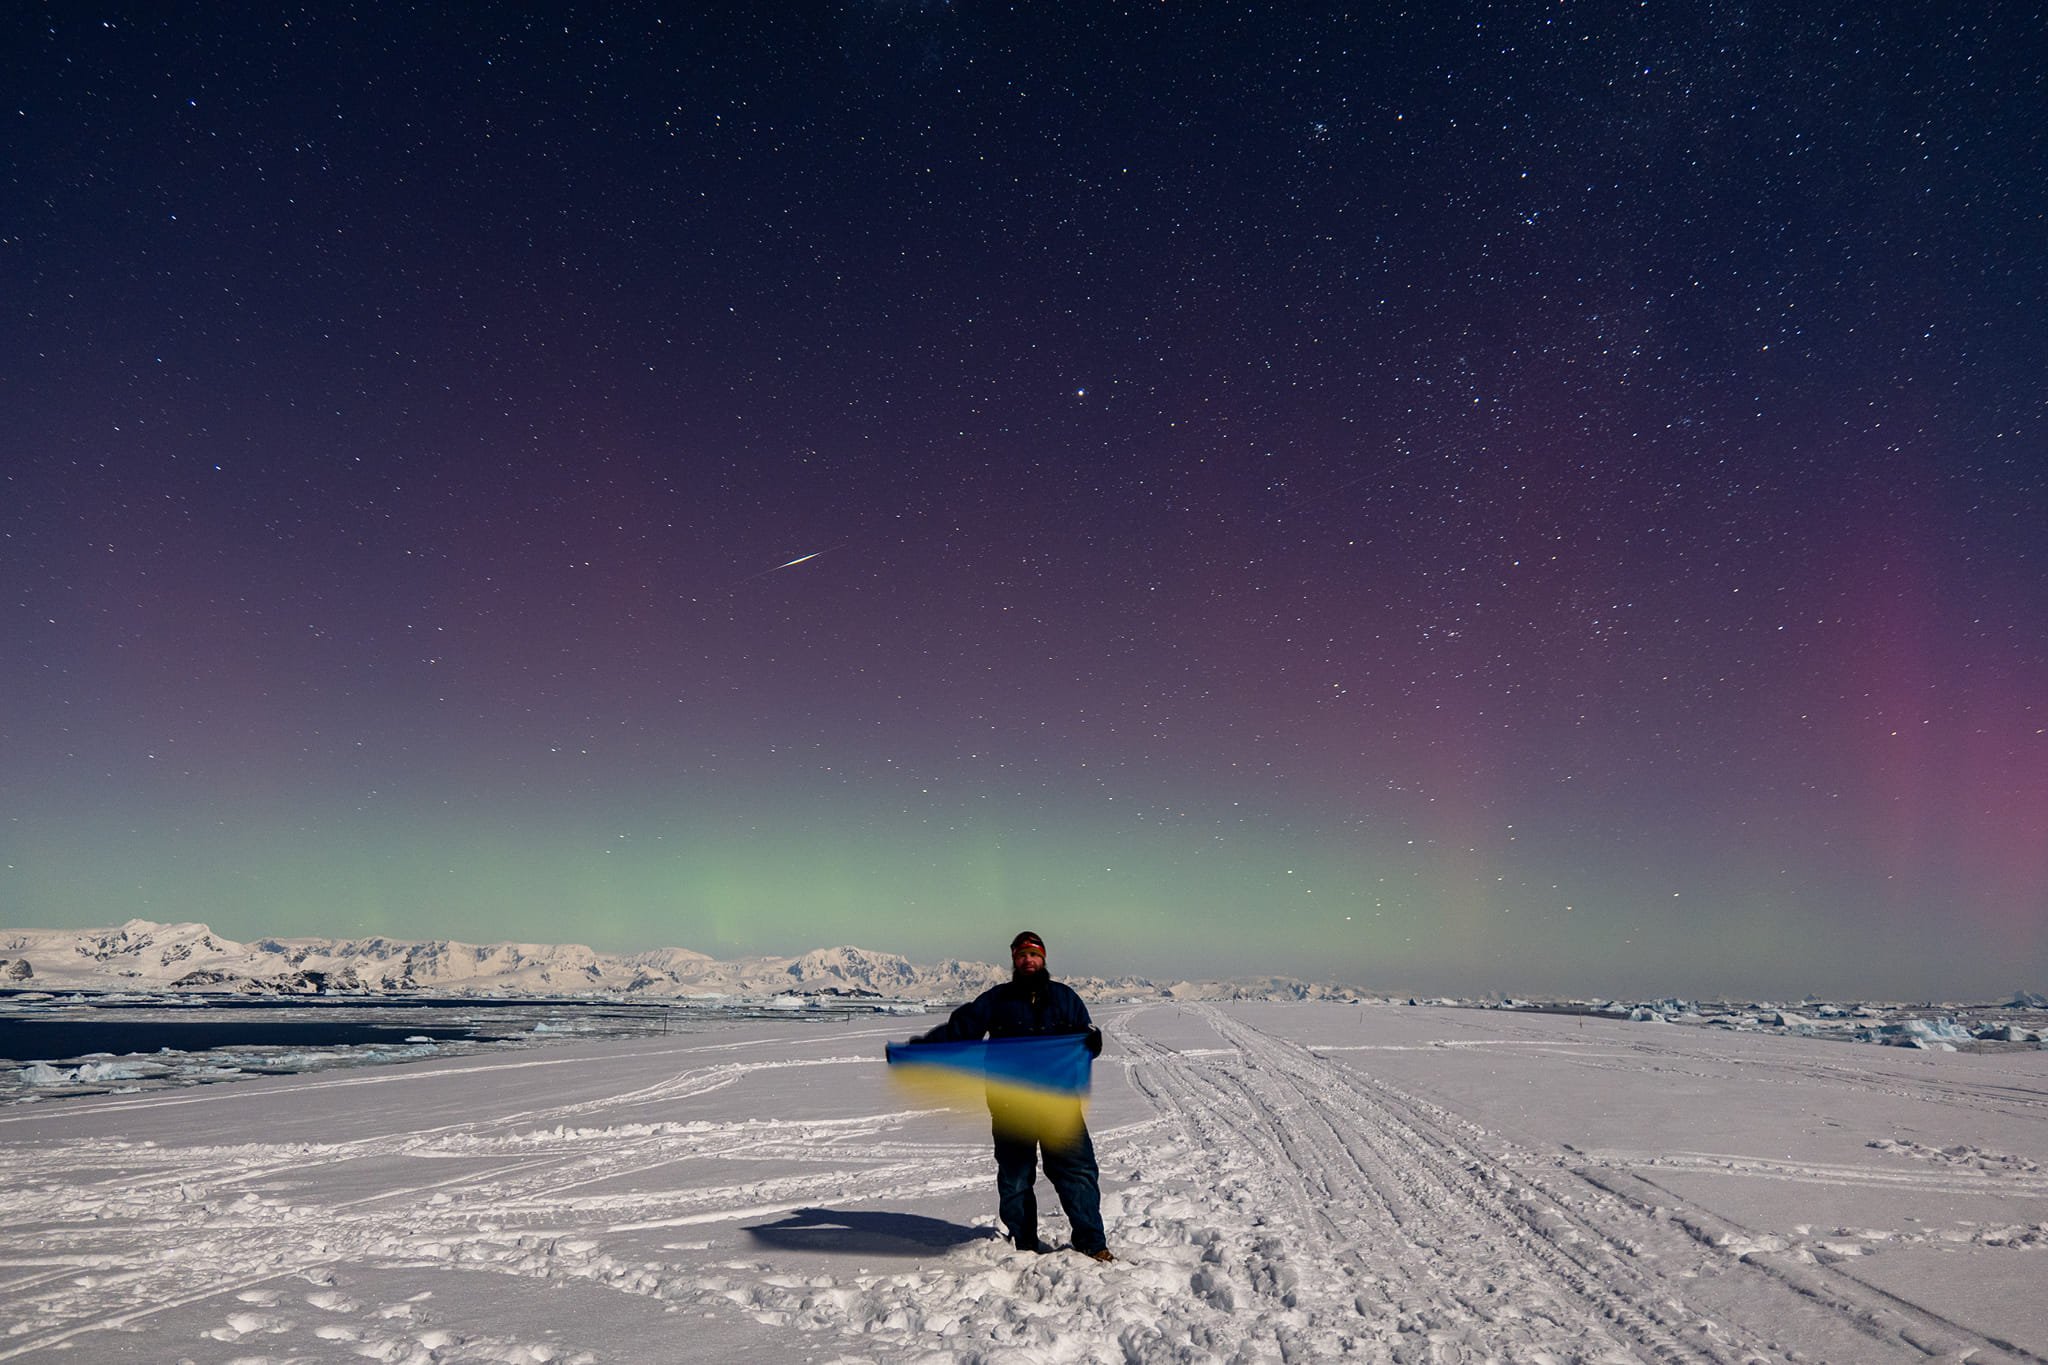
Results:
<point x="1538" y="497"/>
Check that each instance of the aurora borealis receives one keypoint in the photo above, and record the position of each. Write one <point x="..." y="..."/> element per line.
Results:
<point x="1527" y="497"/>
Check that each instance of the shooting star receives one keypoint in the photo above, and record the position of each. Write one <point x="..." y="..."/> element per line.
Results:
<point x="789" y="564"/>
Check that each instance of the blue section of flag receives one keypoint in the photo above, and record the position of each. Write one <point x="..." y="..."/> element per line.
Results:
<point x="1059" y="1063"/>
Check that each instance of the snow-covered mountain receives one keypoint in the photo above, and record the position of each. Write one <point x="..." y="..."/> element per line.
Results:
<point x="142" y="955"/>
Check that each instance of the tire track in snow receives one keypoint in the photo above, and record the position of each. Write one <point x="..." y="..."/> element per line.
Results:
<point x="1418" y="1232"/>
<point x="1779" y="1263"/>
<point x="1277" y="1206"/>
<point x="181" y="1225"/>
<point x="1680" y="1056"/>
<point x="1953" y="1182"/>
<point x="1643" y="1222"/>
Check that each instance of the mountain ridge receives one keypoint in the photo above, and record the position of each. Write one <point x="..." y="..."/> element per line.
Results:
<point x="145" y="955"/>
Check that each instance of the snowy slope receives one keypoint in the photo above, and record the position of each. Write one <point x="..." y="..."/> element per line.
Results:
<point x="137" y="950"/>
<point x="1283" y="1183"/>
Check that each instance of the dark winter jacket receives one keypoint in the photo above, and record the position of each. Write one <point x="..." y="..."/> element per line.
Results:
<point x="1017" y="1010"/>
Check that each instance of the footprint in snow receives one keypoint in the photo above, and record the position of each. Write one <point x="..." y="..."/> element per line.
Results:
<point x="240" y="1325"/>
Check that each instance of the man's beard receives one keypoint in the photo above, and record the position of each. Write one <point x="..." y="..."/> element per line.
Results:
<point x="1029" y="976"/>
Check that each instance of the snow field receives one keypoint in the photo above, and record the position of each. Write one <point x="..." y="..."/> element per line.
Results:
<point x="1283" y="1182"/>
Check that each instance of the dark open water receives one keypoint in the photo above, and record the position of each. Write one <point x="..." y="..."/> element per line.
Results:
<point x="63" y="1031"/>
<point x="124" y="1027"/>
<point x="40" y="1040"/>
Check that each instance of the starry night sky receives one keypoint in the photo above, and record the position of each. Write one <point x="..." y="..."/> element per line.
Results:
<point x="1532" y="497"/>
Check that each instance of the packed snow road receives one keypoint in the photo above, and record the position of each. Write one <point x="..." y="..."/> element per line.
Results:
<point x="1284" y="1183"/>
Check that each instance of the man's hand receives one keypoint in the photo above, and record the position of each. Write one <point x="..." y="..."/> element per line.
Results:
<point x="1094" y="1042"/>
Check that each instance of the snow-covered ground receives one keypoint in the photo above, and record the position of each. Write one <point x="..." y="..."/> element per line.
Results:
<point x="1283" y="1181"/>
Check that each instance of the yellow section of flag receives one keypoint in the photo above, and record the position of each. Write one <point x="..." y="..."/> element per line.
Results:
<point x="1024" y="1112"/>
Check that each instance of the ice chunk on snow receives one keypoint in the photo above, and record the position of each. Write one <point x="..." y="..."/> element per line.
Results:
<point x="2009" y="1033"/>
<point x="1928" y="1030"/>
<point x="1924" y="1033"/>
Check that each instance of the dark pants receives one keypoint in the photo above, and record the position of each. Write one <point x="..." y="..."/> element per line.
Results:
<point x="1070" y="1168"/>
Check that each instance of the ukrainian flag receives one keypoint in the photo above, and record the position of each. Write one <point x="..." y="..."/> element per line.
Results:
<point x="1035" y="1088"/>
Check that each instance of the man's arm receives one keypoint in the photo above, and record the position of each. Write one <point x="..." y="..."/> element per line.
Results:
<point x="1078" y="1009"/>
<point x="967" y="1024"/>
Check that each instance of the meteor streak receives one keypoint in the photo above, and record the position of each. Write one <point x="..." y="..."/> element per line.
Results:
<point x="791" y="564"/>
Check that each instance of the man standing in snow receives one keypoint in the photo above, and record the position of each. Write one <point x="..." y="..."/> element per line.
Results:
<point x="1032" y="1004"/>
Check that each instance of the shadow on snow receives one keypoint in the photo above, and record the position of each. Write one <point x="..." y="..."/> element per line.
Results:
<point x="868" y="1234"/>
